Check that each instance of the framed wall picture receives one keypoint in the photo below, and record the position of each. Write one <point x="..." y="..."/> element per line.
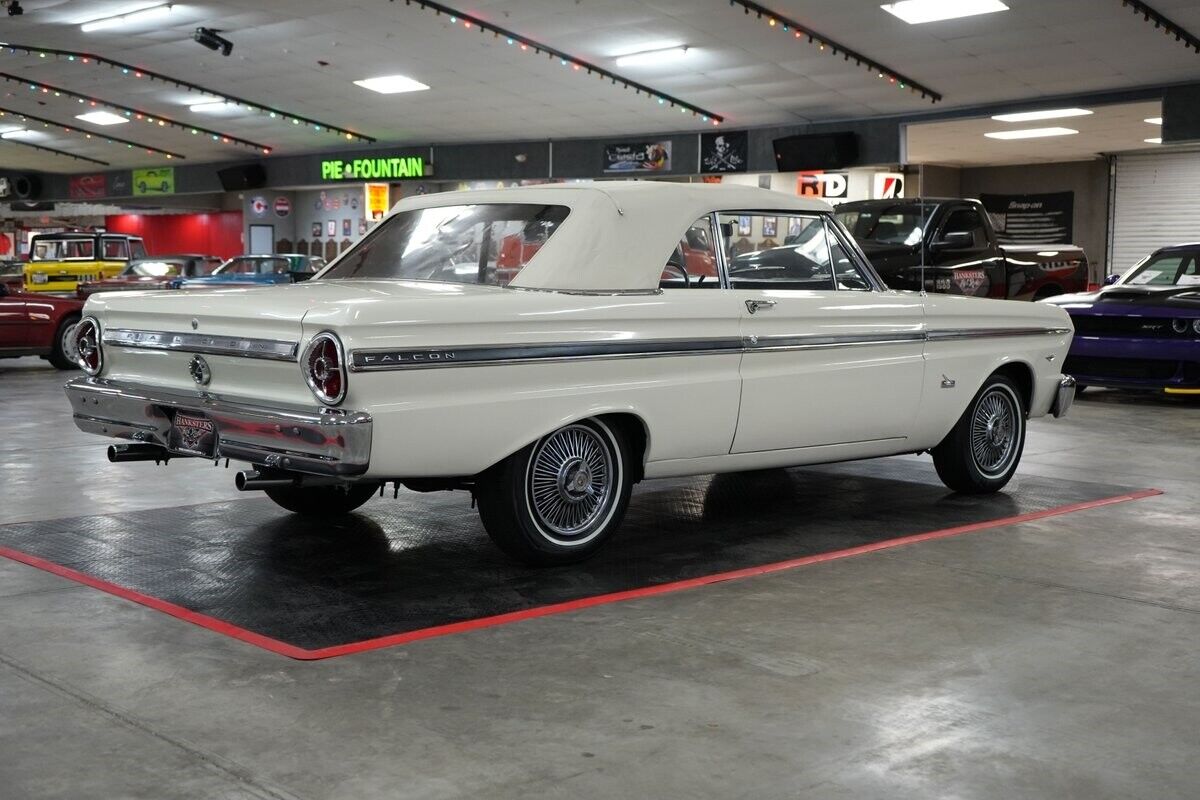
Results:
<point x="770" y="226"/>
<point x="744" y="225"/>
<point x="362" y="227"/>
<point x="331" y="227"/>
<point x="347" y="226"/>
<point x="316" y="230"/>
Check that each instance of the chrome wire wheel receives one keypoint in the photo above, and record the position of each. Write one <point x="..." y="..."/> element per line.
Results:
<point x="571" y="484"/>
<point x="995" y="431"/>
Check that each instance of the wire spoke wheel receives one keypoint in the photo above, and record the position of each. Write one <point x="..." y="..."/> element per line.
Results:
<point x="67" y="341"/>
<point x="995" y="428"/>
<point x="570" y="484"/>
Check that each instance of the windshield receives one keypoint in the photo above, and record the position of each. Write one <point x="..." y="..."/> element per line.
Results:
<point x="486" y="243"/>
<point x="1166" y="269"/>
<point x="62" y="249"/>
<point x="153" y="269"/>
<point x="250" y="265"/>
<point x="895" y="224"/>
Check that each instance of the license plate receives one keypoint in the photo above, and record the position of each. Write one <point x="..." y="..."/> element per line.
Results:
<point x="194" y="434"/>
<point x="41" y="277"/>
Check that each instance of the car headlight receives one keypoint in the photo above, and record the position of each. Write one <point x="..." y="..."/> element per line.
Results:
<point x="88" y="352"/>
<point x="1179" y="325"/>
<point x="324" y="368"/>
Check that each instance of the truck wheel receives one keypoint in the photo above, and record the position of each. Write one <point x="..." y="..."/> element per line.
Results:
<point x="981" y="452"/>
<point x="323" y="501"/>
<point x="560" y="499"/>
<point x="62" y="352"/>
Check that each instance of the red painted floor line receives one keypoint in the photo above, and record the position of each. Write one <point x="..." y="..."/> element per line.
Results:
<point x="291" y="651"/>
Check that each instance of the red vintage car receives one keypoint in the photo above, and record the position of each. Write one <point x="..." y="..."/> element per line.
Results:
<point x="152" y="272"/>
<point x="38" y="325"/>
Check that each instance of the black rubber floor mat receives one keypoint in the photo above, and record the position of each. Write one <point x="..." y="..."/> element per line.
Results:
<point x="424" y="562"/>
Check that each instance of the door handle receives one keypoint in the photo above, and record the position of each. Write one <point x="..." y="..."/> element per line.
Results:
<point x="759" y="305"/>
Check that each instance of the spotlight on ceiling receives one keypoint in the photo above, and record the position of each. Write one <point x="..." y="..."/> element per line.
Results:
<point x="646" y="58"/>
<point x="209" y="38"/>
<point x="14" y="8"/>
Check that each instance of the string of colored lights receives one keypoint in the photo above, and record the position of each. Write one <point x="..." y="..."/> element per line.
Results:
<point x="808" y="35"/>
<point x="138" y="73"/>
<point x="56" y="152"/>
<point x="132" y="113"/>
<point x="1161" y="22"/>
<point x="526" y="44"/>
<point x="49" y="123"/>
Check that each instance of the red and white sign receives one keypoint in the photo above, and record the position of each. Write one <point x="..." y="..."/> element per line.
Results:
<point x="283" y="206"/>
<point x="85" y="187"/>
<point x="831" y="185"/>
<point x="888" y="186"/>
<point x="258" y="205"/>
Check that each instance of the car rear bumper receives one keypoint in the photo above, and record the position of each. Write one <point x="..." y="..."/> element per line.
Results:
<point x="313" y="441"/>
<point x="1064" y="397"/>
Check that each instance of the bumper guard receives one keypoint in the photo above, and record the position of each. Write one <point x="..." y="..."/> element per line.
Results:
<point x="1064" y="397"/>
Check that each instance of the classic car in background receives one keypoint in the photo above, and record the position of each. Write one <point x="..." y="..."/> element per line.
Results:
<point x="597" y="366"/>
<point x="151" y="273"/>
<point x="58" y="262"/>
<point x="255" y="271"/>
<point x="1143" y="331"/>
<point x="38" y="325"/>
<point x="955" y="241"/>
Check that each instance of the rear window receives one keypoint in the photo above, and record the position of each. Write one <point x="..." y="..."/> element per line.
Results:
<point x="485" y="244"/>
<point x="61" y="249"/>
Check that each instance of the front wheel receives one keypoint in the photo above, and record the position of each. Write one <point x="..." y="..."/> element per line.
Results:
<point x="323" y="501"/>
<point x="981" y="452"/>
<point x="560" y="499"/>
<point x="62" y="352"/>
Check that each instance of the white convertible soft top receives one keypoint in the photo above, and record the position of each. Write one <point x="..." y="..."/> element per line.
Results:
<point x="619" y="234"/>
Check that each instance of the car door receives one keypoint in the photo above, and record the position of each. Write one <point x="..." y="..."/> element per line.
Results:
<point x="979" y="267"/>
<point x="830" y="357"/>
<point x="14" y="321"/>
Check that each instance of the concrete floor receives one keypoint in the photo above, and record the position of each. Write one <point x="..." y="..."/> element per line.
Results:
<point x="1054" y="659"/>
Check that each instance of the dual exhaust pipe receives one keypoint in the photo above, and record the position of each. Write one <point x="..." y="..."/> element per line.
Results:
<point x="246" y="481"/>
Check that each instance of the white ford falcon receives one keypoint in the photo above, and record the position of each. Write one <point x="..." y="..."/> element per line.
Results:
<point x="546" y="348"/>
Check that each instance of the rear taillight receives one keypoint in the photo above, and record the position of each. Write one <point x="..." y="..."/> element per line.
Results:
<point x="324" y="368"/>
<point x="87" y="346"/>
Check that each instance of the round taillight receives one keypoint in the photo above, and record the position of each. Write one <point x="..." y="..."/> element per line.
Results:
<point x="87" y="346"/>
<point x="324" y="368"/>
<point x="1196" y="326"/>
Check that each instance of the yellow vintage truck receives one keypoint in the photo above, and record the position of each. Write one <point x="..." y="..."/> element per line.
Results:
<point x="58" y="262"/>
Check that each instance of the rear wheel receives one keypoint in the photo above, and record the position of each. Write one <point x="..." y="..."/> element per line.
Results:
<point x="323" y="501"/>
<point x="560" y="499"/>
<point x="63" y="353"/>
<point x="981" y="452"/>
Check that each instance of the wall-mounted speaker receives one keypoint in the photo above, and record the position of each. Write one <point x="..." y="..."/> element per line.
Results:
<point x="247" y="176"/>
<point x="816" y="151"/>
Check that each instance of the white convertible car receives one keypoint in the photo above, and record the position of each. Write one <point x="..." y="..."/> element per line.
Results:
<point x="548" y="347"/>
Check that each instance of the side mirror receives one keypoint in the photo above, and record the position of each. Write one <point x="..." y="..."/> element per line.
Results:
<point x="1111" y="279"/>
<point x="955" y="240"/>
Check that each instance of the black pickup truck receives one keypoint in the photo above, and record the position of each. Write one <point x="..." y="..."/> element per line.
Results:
<point x="957" y="244"/>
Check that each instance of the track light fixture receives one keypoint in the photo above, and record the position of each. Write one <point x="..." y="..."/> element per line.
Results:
<point x="210" y="39"/>
<point x="14" y="8"/>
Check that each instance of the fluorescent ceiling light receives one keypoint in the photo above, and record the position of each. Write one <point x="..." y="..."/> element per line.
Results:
<point x="915" y="12"/>
<point x="1050" y="113"/>
<point x="391" y="84"/>
<point x="1154" y="120"/>
<point x="1031" y="133"/>
<point x="650" y="57"/>
<point x="208" y="106"/>
<point x="1155" y="140"/>
<point x="13" y="134"/>
<point x="102" y="118"/>
<point x="141" y="14"/>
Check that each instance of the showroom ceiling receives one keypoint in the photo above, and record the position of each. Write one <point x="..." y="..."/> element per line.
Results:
<point x="483" y="89"/>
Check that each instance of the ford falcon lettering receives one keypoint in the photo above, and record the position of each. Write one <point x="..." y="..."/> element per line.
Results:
<point x="634" y="341"/>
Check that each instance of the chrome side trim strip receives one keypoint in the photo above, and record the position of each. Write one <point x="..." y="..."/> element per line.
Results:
<point x="202" y="343"/>
<point x="373" y="360"/>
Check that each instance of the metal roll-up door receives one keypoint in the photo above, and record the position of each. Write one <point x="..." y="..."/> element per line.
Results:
<point x="1155" y="203"/>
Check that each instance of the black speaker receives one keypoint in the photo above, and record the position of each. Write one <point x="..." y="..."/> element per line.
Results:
<point x="815" y="151"/>
<point x="27" y="187"/>
<point x="248" y="176"/>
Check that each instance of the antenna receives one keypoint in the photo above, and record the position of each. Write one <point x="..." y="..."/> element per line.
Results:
<point x="921" y="213"/>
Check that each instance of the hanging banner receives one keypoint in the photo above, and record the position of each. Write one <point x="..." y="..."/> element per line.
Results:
<point x="888" y="186"/>
<point x="86" y="187"/>
<point x="637" y="157"/>
<point x="160" y="180"/>
<point x="724" y="152"/>
<point x="1032" y="218"/>
<point x="378" y="200"/>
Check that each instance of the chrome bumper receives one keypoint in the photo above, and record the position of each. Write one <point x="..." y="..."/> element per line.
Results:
<point x="1064" y="398"/>
<point x="293" y="438"/>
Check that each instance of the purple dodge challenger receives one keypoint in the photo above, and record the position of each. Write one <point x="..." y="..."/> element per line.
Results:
<point x="1143" y="330"/>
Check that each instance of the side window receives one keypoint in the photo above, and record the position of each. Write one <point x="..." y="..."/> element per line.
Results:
<point x="777" y="251"/>
<point x="847" y="271"/>
<point x="114" y="249"/>
<point x="137" y="248"/>
<point x="967" y="220"/>
<point x="693" y="262"/>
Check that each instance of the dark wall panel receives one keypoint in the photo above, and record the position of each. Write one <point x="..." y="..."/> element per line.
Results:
<point x="1181" y="114"/>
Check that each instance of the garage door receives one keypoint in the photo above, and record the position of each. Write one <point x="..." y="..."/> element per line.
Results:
<point x="1153" y="204"/>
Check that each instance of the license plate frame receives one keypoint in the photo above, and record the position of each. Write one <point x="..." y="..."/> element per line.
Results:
<point x="192" y="433"/>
